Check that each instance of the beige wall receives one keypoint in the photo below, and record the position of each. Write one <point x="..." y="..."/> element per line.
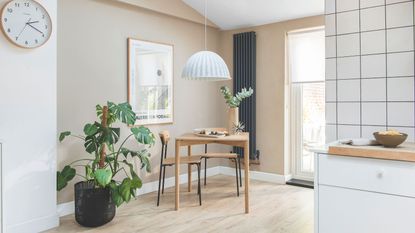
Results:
<point x="270" y="87"/>
<point x="92" y="58"/>
<point x="92" y="68"/>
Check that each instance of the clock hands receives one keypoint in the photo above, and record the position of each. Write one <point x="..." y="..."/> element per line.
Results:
<point x="17" y="37"/>
<point x="30" y="25"/>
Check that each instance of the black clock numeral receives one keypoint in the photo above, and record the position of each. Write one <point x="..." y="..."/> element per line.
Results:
<point x="5" y="20"/>
<point x="46" y="26"/>
<point x="17" y="38"/>
<point x="17" y="4"/>
<point x="8" y="30"/>
<point x="43" y="16"/>
<point x="26" y="4"/>
<point x="36" y="41"/>
<point x="26" y="43"/>
<point x="10" y="10"/>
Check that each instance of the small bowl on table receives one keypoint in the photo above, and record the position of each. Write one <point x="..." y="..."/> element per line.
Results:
<point x="390" y="140"/>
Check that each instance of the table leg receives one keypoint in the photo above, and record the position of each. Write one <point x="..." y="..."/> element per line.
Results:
<point x="177" y="175"/>
<point x="246" y="170"/>
<point x="189" y="170"/>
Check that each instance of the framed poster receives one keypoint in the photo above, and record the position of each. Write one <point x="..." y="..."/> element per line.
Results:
<point x="150" y="81"/>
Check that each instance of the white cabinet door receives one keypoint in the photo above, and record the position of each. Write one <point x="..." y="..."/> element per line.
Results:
<point x="344" y="210"/>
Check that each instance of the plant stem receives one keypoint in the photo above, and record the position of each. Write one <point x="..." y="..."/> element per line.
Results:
<point x="81" y="160"/>
<point x="77" y="136"/>
<point x="104" y="125"/>
<point x="119" y="149"/>
<point x="120" y="170"/>
<point x="82" y="176"/>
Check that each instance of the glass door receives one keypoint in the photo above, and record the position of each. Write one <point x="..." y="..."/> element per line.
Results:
<point x="308" y="126"/>
<point x="306" y="61"/>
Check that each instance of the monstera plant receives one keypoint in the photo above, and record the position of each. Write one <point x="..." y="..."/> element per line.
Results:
<point x="110" y="177"/>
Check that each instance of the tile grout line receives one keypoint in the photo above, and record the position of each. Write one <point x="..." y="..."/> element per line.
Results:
<point x="337" y="75"/>
<point x="360" y="69"/>
<point x="386" y="69"/>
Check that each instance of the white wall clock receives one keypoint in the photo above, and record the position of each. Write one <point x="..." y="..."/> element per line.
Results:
<point x="26" y="23"/>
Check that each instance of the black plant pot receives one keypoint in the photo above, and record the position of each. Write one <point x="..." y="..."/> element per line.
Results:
<point x="93" y="206"/>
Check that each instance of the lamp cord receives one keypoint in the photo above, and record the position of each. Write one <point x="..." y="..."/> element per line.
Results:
<point x="205" y="24"/>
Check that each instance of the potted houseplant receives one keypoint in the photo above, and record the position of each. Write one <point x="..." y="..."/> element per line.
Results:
<point x="233" y="103"/>
<point x="98" y="195"/>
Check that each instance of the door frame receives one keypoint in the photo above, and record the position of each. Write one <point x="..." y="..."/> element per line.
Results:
<point x="290" y="141"/>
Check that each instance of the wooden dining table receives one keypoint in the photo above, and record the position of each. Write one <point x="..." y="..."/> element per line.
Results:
<point x="190" y="139"/>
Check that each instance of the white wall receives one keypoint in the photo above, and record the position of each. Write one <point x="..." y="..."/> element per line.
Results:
<point x="369" y="68"/>
<point x="28" y="132"/>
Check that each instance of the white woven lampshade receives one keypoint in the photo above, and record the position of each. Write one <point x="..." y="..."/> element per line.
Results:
<point x="206" y="65"/>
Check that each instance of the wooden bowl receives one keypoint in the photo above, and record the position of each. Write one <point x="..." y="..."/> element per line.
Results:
<point x="390" y="140"/>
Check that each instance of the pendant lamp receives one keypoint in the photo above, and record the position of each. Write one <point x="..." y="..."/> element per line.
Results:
<point x="206" y="65"/>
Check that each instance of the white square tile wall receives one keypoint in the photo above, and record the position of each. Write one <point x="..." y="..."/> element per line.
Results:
<point x="348" y="45"/>
<point x="373" y="89"/>
<point x="348" y="113"/>
<point x="347" y="5"/>
<point x="371" y="3"/>
<point x="330" y="46"/>
<point x="401" y="89"/>
<point x="331" y="69"/>
<point x="400" y="64"/>
<point x="348" y="90"/>
<point x="373" y="66"/>
<point x="330" y="6"/>
<point x="331" y="91"/>
<point x="370" y="68"/>
<point x="374" y="113"/>
<point x="400" y="39"/>
<point x="372" y="18"/>
<point x="347" y="22"/>
<point x="400" y="15"/>
<point x="348" y="67"/>
<point x="373" y="42"/>
<point x="400" y="114"/>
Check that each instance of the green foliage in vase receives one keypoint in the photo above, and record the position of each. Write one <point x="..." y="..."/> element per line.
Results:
<point x="235" y="101"/>
<point x="108" y="155"/>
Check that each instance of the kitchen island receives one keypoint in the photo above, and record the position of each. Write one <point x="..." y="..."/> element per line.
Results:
<point x="365" y="189"/>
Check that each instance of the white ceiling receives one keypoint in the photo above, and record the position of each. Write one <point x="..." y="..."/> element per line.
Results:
<point x="233" y="14"/>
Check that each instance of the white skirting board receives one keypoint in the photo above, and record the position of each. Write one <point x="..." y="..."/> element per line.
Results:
<point x="68" y="207"/>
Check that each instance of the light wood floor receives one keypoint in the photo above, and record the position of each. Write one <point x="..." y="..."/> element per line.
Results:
<point x="274" y="208"/>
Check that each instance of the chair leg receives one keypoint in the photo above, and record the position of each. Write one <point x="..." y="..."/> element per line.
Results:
<point x="164" y="177"/>
<point x="158" y="192"/>
<point x="237" y="178"/>
<point x="205" y="169"/>
<point x="198" y="184"/>
<point x="240" y="173"/>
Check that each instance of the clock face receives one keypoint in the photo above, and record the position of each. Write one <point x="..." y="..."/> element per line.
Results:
<point x="26" y="23"/>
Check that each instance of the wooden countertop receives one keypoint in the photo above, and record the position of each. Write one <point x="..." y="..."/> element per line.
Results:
<point x="404" y="152"/>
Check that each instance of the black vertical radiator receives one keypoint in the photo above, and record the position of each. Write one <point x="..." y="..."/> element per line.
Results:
<point x="244" y="75"/>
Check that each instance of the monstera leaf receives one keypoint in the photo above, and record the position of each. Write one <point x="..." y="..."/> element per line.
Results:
<point x="143" y="135"/>
<point x="103" y="176"/>
<point x="123" y="112"/>
<point x="63" y="135"/>
<point x="63" y="177"/>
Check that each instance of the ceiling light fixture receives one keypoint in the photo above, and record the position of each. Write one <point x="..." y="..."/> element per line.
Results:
<point x="206" y="65"/>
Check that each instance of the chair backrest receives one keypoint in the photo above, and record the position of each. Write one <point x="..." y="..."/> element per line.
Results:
<point x="164" y="137"/>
